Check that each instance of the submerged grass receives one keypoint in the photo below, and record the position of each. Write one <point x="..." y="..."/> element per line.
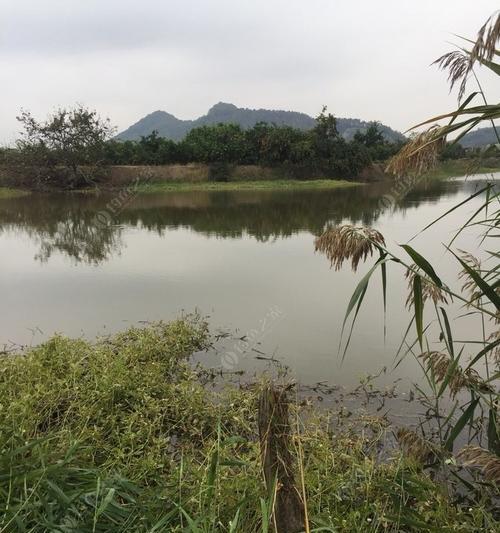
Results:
<point x="245" y="185"/>
<point x="120" y="435"/>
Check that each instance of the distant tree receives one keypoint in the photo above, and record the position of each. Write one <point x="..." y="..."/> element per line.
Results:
<point x="221" y="143"/>
<point x="325" y="134"/>
<point x="452" y="151"/>
<point x="65" y="150"/>
<point x="374" y="141"/>
<point x="326" y="126"/>
<point x="373" y="136"/>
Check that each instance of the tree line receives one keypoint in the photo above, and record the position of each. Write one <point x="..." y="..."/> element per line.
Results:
<point x="72" y="146"/>
<point x="263" y="144"/>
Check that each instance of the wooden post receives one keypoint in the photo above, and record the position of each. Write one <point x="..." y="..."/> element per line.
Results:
<point x="278" y="461"/>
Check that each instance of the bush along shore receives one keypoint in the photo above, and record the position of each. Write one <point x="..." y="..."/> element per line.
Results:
<point x="121" y="435"/>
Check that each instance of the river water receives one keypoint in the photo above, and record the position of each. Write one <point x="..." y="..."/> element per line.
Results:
<point x="245" y="260"/>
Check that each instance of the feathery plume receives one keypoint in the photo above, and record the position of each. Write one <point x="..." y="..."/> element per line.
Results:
<point x="487" y="462"/>
<point x="430" y="291"/>
<point x="341" y="243"/>
<point x="439" y="364"/>
<point x="419" y="155"/>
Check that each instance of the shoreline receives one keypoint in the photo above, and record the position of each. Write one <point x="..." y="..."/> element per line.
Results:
<point x="190" y="178"/>
<point x="253" y="185"/>
<point x="140" y="433"/>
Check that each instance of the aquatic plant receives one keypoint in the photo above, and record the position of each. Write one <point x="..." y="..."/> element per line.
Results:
<point x="121" y="435"/>
<point x="462" y="376"/>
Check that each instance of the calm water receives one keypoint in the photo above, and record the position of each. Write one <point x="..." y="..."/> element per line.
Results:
<point x="244" y="259"/>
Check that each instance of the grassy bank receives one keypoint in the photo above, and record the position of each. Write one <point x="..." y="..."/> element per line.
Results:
<point x="245" y="185"/>
<point x="120" y="435"/>
<point x="196" y="177"/>
<point x="6" y="192"/>
<point x="461" y="167"/>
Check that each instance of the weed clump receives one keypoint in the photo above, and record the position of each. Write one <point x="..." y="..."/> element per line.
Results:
<point x="121" y="435"/>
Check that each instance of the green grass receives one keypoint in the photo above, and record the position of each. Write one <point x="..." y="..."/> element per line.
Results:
<point x="120" y="435"/>
<point x="6" y="192"/>
<point x="245" y="185"/>
<point x="459" y="167"/>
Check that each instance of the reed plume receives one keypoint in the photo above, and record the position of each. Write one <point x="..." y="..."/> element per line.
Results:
<point x="419" y="155"/>
<point x="341" y="243"/>
<point x="460" y="64"/>
<point x="439" y="364"/>
<point x="488" y="463"/>
<point x="413" y="445"/>
<point x="430" y="291"/>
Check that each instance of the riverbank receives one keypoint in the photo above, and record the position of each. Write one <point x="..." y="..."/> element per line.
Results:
<point x="199" y="177"/>
<point x="463" y="167"/>
<point x="245" y="185"/>
<point x="122" y="434"/>
<point x="6" y="192"/>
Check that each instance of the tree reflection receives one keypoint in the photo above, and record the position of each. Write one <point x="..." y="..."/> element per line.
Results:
<point x="67" y="223"/>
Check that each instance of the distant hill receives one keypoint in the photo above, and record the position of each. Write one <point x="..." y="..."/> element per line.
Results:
<point x="479" y="137"/>
<point x="173" y="128"/>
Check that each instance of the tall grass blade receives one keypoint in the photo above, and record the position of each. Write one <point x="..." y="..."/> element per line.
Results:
<point x="418" y="303"/>
<point x="486" y="289"/>
<point x="422" y="263"/>
<point x="467" y="416"/>
<point x="449" y="336"/>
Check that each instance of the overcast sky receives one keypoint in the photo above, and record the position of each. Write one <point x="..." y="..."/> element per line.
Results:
<point x="362" y="58"/>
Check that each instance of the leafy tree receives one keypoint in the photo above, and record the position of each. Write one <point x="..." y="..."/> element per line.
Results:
<point x="372" y="137"/>
<point x="325" y="134"/>
<point x="222" y="143"/>
<point x="377" y="145"/>
<point x="67" y="148"/>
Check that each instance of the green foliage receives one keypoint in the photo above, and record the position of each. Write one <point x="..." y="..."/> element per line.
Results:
<point x="66" y="149"/>
<point x="120" y="435"/>
<point x="320" y="150"/>
<point x="222" y="143"/>
<point x="71" y="148"/>
<point x="462" y="377"/>
<point x="375" y="142"/>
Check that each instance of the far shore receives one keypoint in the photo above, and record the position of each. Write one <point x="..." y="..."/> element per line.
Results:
<point x="198" y="177"/>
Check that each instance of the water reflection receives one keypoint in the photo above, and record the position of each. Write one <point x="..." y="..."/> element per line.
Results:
<point x="66" y="223"/>
<point x="231" y="255"/>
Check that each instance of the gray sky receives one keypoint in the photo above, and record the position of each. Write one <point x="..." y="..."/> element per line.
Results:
<point x="362" y="58"/>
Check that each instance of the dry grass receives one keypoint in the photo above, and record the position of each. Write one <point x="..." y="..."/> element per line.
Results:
<point x="439" y="364"/>
<point x="415" y="446"/>
<point x="430" y="291"/>
<point x="469" y="286"/>
<point x="460" y="65"/>
<point x="419" y="155"/>
<point x="342" y="243"/>
<point x="487" y="462"/>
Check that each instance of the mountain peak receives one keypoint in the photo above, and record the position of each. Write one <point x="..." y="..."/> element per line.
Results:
<point x="170" y="127"/>
<point x="222" y="107"/>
